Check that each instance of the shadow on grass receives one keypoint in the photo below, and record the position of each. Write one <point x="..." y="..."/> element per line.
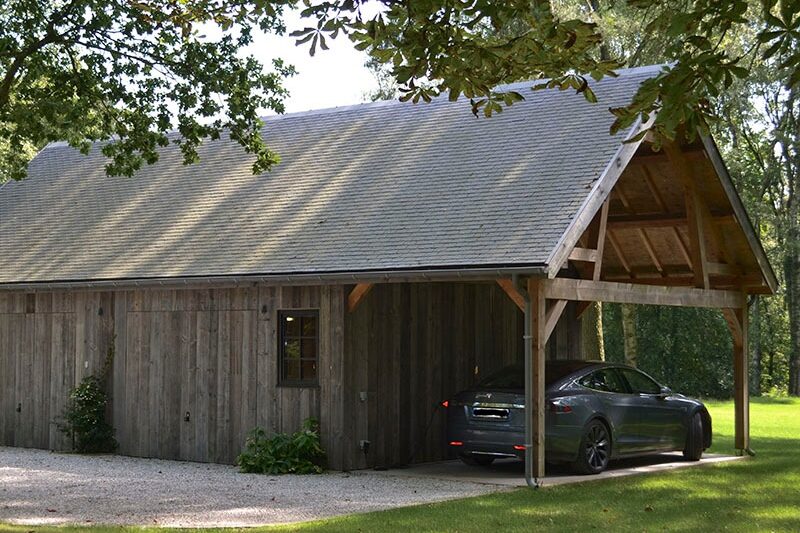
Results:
<point x="757" y="494"/>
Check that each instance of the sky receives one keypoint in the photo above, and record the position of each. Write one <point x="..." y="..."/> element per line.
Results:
<point x="334" y="77"/>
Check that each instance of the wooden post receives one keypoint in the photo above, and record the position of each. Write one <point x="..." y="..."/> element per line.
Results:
<point x="741" y="394"/>
<point x="737" y="322"/>
<point x="538" y="339"/>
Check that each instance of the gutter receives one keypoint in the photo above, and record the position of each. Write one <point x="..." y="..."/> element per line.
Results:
<point x="327" y="278"/>
<point x="532" y="482"/>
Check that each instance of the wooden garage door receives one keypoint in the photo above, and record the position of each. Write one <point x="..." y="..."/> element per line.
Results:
<point x="37" y="354"/>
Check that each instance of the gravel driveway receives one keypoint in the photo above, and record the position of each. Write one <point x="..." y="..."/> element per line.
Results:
<point x="39" y="487"/>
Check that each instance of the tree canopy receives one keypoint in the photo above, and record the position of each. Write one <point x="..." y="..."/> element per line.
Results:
<point x="132" y="71"/>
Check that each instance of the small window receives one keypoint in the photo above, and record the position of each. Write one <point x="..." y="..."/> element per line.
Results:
<point x="605" y="380"/>
<point x="298" y="347"/>
<point x="640" y="383"/>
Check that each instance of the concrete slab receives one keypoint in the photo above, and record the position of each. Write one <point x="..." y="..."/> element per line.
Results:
<point x="510" y="472"/>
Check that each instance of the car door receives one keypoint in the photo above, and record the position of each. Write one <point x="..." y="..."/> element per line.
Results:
<point x="619" y="406"/>
<point x="658" y="417"/>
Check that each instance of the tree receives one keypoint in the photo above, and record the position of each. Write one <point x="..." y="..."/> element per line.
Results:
<point x="133" y="71"/>
<point x="761" y="130"/>
<point x="630" y="344"/>
<point x="87" y="70"/>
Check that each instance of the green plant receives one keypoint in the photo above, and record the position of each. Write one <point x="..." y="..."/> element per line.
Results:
<point x="283" y="453"/>
<point x="85" y="415"/>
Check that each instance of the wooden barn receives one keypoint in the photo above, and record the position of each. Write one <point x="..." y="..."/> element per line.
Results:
<point x="398" y="253"/>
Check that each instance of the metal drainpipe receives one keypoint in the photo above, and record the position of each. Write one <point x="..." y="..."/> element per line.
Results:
<point x="532" y="482"/>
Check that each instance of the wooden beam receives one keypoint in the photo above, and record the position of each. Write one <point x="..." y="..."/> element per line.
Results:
<point x="628" y="293"/>
<point x="536" y="293"/>
<point x="581" y="308"/>
<point x="733" y="325"/>
<point x="721" y="269"/>
<point x="694" y="213"/>
<point x="601" y="239"/>
<point x="618" y="250"/>
<point x="651" y="184"/>
<point x="512" y="292"/>
<point x="583" y="254"/>
<point x="751" y="281"/>
<point x="697" y="240"/>
<point x="659" y="220"/>
<point x="648" y="244"/>
<point x="553" y="314"/>
<point x="357" y="294"/>
<point x="684" y="249"/>
<point x="694" y="151"/>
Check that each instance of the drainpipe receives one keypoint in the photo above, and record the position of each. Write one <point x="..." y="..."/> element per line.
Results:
<point x="532" y="482"/>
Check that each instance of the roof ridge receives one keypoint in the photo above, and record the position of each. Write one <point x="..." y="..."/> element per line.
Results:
<point x="387" y="103"/>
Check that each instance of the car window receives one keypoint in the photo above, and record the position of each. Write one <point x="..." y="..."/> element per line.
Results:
<point x="513" y="377"/>
<point x="605" y="380"/>
<point x="640" y="383"/>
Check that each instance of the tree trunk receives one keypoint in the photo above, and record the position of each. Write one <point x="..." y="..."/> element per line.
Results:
<point x="792" y="273"/>
<point x="755" y="334"/>
<point x="592" y="333"/>
<point x="791" y="270"/>
<point x="630" y="343"/>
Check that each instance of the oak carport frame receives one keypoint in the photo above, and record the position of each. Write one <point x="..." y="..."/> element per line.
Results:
<point x="537" y="292"/>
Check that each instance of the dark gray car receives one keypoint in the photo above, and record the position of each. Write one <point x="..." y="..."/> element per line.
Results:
<point x="596" y="412"/>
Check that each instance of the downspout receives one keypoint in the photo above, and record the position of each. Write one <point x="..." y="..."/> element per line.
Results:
<point x="532" y="482"/>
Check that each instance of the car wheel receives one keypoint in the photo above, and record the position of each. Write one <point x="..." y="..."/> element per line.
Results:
<point x="595" y="449"/>
<point x="693" y="450"/>
<point x="476" y="460"/>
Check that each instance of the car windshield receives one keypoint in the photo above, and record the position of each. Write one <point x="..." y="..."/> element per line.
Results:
<point x="513" y="377"/>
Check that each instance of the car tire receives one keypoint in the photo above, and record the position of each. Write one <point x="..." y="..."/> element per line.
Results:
<point x="595" y="449"/>
<point x="476" y="460"/>
<point x="693" y="450"/>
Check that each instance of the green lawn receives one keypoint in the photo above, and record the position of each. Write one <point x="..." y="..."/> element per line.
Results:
<point x="757" y="494"/>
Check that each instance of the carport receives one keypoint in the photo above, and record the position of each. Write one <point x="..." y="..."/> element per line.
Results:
<point x="662" y="226"/>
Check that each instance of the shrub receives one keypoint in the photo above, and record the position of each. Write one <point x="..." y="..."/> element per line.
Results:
<point x="298" y="453"/>
<point x="85" y="418"/>
<point x="85" y="415"/>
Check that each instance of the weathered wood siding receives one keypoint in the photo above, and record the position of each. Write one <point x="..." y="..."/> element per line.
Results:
<point x="210" y="354"/>
<point x="410" y="346"/>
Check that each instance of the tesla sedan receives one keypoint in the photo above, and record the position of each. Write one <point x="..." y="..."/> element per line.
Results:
<point x="596" y="412"/>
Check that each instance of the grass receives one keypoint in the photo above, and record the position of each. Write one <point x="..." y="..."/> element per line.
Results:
<point x="757" y="494"/>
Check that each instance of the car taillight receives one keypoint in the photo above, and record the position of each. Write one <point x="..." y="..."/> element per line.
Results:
<point x="446" y="404"/>
<point x="456" y="443"/>
<point x="519" y="447"/>
<point x="558" y="407"/>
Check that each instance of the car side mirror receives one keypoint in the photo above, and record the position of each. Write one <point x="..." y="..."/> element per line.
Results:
<point x="665" y="391"/>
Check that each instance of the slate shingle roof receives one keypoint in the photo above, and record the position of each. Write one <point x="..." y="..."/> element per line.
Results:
<point x="371" y="187"/>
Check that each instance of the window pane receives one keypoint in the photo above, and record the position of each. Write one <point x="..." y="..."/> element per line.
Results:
<point x="309" y="369"/>
<point x="640" y="383"/>
<point x="309" y="349"/>
<point x="605" y="380"/>
<point x="309" y="326"/>
<point x="291" y="326"/>
<point x="291" y="370"/>
<point x="291" y="349"/>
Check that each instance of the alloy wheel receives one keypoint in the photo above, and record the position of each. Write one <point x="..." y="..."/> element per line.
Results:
<point x="597" y="447"/>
